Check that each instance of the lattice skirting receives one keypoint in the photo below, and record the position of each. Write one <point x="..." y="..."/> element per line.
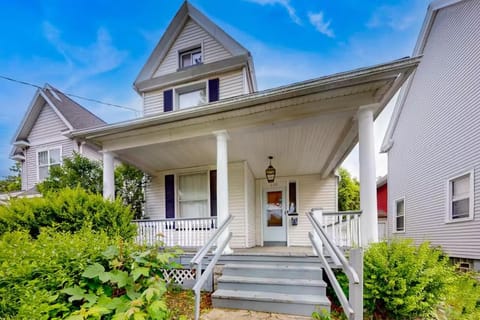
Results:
<point x="178" y="276"/>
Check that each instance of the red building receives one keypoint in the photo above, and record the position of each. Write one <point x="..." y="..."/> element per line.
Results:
<point x="382" y="206"/>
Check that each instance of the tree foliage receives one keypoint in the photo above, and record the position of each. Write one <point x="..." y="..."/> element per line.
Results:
<point x="79" y="171"/>
<point x="13" y="181"/>
<point x="348" y="191"/>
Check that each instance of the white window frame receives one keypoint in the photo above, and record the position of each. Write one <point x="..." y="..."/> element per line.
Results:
<point x="395" y="215"/>
<point x="190" y="50"/>
<point x="177" y="91"/>
<point x="177" y="189"/>
<point x="471" y="197"/>
<point x="37" y="163"/>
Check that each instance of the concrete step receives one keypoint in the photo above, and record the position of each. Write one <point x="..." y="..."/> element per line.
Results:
<point x="276" y="285"/>
<point x="297" y="304"/>
<point x="277" y="271"/>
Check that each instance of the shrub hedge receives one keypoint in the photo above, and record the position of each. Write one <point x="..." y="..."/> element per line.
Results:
<point x="67" y="210"/>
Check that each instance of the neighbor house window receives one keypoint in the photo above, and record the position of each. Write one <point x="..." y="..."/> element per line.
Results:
<point x="191" y="96"/>
<point x="46" y="159"/>
<point x="400" y="215"/>
<point x="460" y="201"/>
<point x="193" y="191"/>
<point x="190" y="57"/>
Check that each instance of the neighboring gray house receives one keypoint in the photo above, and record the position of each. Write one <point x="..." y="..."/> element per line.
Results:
<point x="42" y="139"/>
<point x="433" y="140"/>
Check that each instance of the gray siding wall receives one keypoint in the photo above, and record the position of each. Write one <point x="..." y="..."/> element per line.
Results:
<point x="45" y="133"/>
<point x="231" y="84"/>
<point x="438" y="134"/>
<point x="192" y="35"/>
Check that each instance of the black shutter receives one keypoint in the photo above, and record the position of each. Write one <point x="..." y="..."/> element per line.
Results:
<point x="167" y="100"/>
<point x="170" y="196"/>
<point x="213" y="193"/>
<point x="213" y="89"/>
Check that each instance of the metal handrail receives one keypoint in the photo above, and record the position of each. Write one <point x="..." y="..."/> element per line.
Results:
<point x="341" y="213"/>
<point x="339" y="259"/>
<point x="198" y="258"/>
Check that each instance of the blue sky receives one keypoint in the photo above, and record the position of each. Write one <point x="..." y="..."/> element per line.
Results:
<point x="96" y="48"/>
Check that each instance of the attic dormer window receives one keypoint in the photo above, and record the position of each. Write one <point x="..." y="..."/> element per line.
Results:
<point x="190" y="57"/>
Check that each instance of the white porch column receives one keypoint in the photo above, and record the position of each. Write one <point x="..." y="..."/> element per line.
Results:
<point x="222" y="183"/>
<point x="108" y="176"/>
<point x="368" y="187"/>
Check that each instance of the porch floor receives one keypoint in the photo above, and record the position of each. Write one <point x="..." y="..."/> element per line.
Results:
<point x="275" y="251"/>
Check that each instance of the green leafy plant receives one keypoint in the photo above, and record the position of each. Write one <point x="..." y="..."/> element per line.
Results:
<point x="67" y="210"/>
<point x="123" y="286"/>
<point x="404" y="281"/>
<point x="463" y="298"/>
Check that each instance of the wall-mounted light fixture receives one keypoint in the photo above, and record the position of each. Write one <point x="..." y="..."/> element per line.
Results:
<point x="270" y="171"/>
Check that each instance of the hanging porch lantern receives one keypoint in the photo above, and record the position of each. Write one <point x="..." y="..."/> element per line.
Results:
<point x="270" y="171"/>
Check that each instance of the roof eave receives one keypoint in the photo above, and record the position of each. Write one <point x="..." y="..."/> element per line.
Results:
<point x="251" y="99"/>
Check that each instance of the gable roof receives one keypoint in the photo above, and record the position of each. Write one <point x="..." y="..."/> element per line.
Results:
<point x="432" y="11"/>
<point x="72" y="114"/>
<point x="185" y="12"/>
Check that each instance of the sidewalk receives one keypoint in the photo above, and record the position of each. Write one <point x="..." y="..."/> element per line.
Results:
<point x="234" y="314"/>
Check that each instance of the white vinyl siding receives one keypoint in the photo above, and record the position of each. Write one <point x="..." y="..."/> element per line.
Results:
<point x="46" y="133"/>
<point x="231" y="85"/>
<point x="192" y="34"/>
<point x="250" y="206"/>
<point x="47" y="127"/>
<point x="438" y="133"/>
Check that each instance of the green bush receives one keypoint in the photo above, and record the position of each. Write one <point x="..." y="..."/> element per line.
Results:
<point x="463" y="298"/>
<point x="404" y="281"/>
<point x="32" y="271"/>
<point x="84" y="275"/>
<point x="67" y="210"/>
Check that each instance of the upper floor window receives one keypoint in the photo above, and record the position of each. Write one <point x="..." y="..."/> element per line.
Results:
<point x="46" y="159"/>
<point x="191" y="96"/>
<point x="190" y="57"/>
<point x="460" y="197"/>
<point x="400" y="215"/>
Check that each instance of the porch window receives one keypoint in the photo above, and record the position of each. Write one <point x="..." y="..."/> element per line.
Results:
<point x="400" y="215"/>
<point x="193" y="193"/>
<point x="190" y="57"/>
<point x="46" y="159"/>
<point x="460" y="201"/>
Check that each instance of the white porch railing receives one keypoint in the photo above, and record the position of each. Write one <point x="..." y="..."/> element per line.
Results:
<point x="343" y="228"/>
<point x="185" y="233"/>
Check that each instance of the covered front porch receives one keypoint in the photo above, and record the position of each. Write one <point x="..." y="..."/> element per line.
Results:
<point x="209" y="162"/>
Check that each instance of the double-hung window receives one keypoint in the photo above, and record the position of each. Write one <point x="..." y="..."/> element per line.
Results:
<point x="460" y="197"/>
<point x="47" y="159"/>
<point x="190" y="57"/>
<point x="191" y="96"/>
<point x="193" y="192"/>
<point x="400" y="215"/>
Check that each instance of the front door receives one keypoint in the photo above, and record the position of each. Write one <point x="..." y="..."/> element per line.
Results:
<point x="274" y="219"/>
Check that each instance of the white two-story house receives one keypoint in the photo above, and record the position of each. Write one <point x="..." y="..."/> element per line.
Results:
<point x="207" y="135"/>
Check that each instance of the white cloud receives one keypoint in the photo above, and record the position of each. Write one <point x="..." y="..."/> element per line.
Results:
<point x="322" y="26"/>
<point x="393" y="17"/>
<point x="285" y="4"/>
<point x="99" y="57"/>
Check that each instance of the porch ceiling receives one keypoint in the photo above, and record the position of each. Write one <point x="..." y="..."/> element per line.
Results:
<point x="307" y="127"/>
